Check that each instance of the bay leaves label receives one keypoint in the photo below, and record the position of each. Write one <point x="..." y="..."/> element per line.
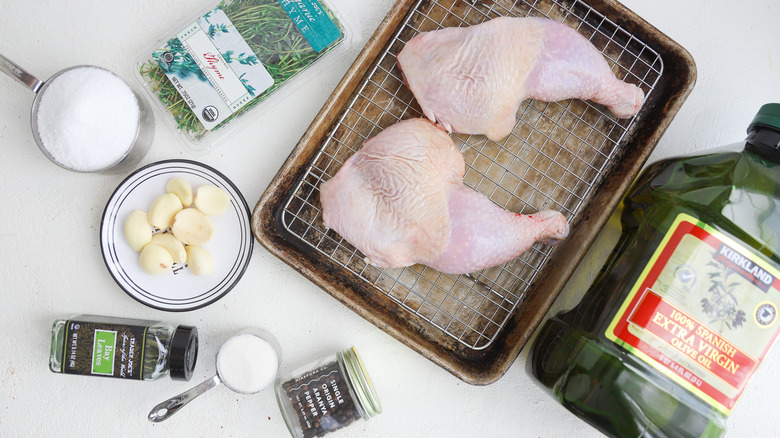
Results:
<point x="103" y="347"/>
<point x="110" y="349"/>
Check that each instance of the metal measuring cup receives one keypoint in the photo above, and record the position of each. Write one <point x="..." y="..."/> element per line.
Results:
<point x="143" y="137"/>
<point x="164" y="410"/>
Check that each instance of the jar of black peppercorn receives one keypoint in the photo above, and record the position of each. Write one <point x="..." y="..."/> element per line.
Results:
<point x="327" y="395"/>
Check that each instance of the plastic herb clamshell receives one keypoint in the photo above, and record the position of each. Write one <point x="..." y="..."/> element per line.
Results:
<point x="235" y="57"/>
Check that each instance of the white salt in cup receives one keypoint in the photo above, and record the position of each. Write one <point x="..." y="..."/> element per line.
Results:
<point x="246" y="363"/>
<point x="87" y="145"/>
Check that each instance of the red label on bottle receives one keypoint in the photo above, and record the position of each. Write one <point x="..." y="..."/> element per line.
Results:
<point x="703" y="312"/>
<point x="692" y="338"/>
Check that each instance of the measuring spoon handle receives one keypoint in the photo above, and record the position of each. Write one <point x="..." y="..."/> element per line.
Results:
<point x="11" y="69"/>
<point x="169" y="407"/>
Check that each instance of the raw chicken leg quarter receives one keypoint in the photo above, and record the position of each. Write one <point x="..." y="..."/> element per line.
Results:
<point x="472" y="80"/>
<point x="401" y="200"/>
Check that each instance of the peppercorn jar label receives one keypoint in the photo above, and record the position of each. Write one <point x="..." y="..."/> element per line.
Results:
<point x="112" y="349"/>
<point x="321" y="400"/>
<point x="703" y="312"/>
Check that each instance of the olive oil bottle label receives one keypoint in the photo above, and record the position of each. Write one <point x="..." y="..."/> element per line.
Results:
<point x="113" y="349"/>
<point x="703" y="312"/>
<point x="213" y="68"/>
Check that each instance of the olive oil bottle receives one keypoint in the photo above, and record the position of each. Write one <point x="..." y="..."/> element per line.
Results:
<point x="679" y="318"/>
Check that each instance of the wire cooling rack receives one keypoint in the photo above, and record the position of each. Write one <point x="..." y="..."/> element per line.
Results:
<point x="553" y="159"/>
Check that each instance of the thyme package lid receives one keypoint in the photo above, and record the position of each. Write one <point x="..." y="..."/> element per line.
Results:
<point x="217" y="67"/>
<point x="184" y="352"/>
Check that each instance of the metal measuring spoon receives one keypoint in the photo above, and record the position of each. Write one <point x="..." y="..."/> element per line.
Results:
<point x="169" y="407"/>
<point x="144" y="135"/>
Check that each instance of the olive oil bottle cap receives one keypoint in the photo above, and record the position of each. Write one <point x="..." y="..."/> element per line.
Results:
<point x="764" y="132"/>
<point x="768" y="115"/>
<point x="184" y="352"/>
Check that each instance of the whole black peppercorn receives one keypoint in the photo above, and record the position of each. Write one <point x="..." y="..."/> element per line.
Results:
<point x="326" y="396"/>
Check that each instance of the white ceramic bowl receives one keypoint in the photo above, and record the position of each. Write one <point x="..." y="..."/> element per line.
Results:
<point x="178" y="290"/>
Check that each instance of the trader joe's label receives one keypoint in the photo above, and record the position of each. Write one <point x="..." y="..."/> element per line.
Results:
<point x="112" y="349"/>
<point x="703" y="312"/>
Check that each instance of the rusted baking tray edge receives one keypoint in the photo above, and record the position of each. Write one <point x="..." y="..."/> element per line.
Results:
<point x="485" y="366"/>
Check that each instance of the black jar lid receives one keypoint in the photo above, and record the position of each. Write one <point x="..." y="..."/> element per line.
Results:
<point x="184" y="352"/>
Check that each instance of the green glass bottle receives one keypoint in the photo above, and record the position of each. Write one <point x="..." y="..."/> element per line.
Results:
<point x="677" y="321"/>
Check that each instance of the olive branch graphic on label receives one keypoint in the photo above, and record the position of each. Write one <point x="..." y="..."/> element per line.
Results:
<point x="722" y="304"/>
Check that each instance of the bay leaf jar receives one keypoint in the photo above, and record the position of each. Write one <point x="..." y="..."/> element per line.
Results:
<point x="124" y="348"/>
<point x="327" y="395"/>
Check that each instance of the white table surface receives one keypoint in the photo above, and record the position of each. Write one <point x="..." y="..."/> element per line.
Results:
<point x="52" y="266"/>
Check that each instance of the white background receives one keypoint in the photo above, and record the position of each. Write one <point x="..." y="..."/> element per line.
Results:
<point x="51" y="262"/>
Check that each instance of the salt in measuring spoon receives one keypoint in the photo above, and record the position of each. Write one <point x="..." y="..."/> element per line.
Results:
<point x="246" y="364"/>
<point x="135" y="150"/>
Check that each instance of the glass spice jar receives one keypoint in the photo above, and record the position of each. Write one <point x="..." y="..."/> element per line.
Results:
<point x="327" y="395"/>
<point x="122" y="347"/>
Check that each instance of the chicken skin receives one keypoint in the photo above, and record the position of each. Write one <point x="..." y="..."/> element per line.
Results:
<point x="471" y="80"/>
<point x="401" y="200"/>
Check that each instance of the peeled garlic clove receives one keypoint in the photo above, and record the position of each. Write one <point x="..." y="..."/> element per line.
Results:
<point x="192" y="227"/>
<point x="155" y="259"/>
<point x="163" y="209"/>
<point x="138" y="230"/>
<point x="181" y="188"/>
<point x="172" y="245"/>
<point x="199" y="260"/>
<point x="211" y="200"/>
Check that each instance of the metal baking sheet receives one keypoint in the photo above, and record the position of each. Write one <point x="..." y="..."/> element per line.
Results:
<point x="558" y="156"/>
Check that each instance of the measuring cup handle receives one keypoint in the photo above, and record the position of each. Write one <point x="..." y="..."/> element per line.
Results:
<point x="11" y="69"/>
<point x="169" y="407"/>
